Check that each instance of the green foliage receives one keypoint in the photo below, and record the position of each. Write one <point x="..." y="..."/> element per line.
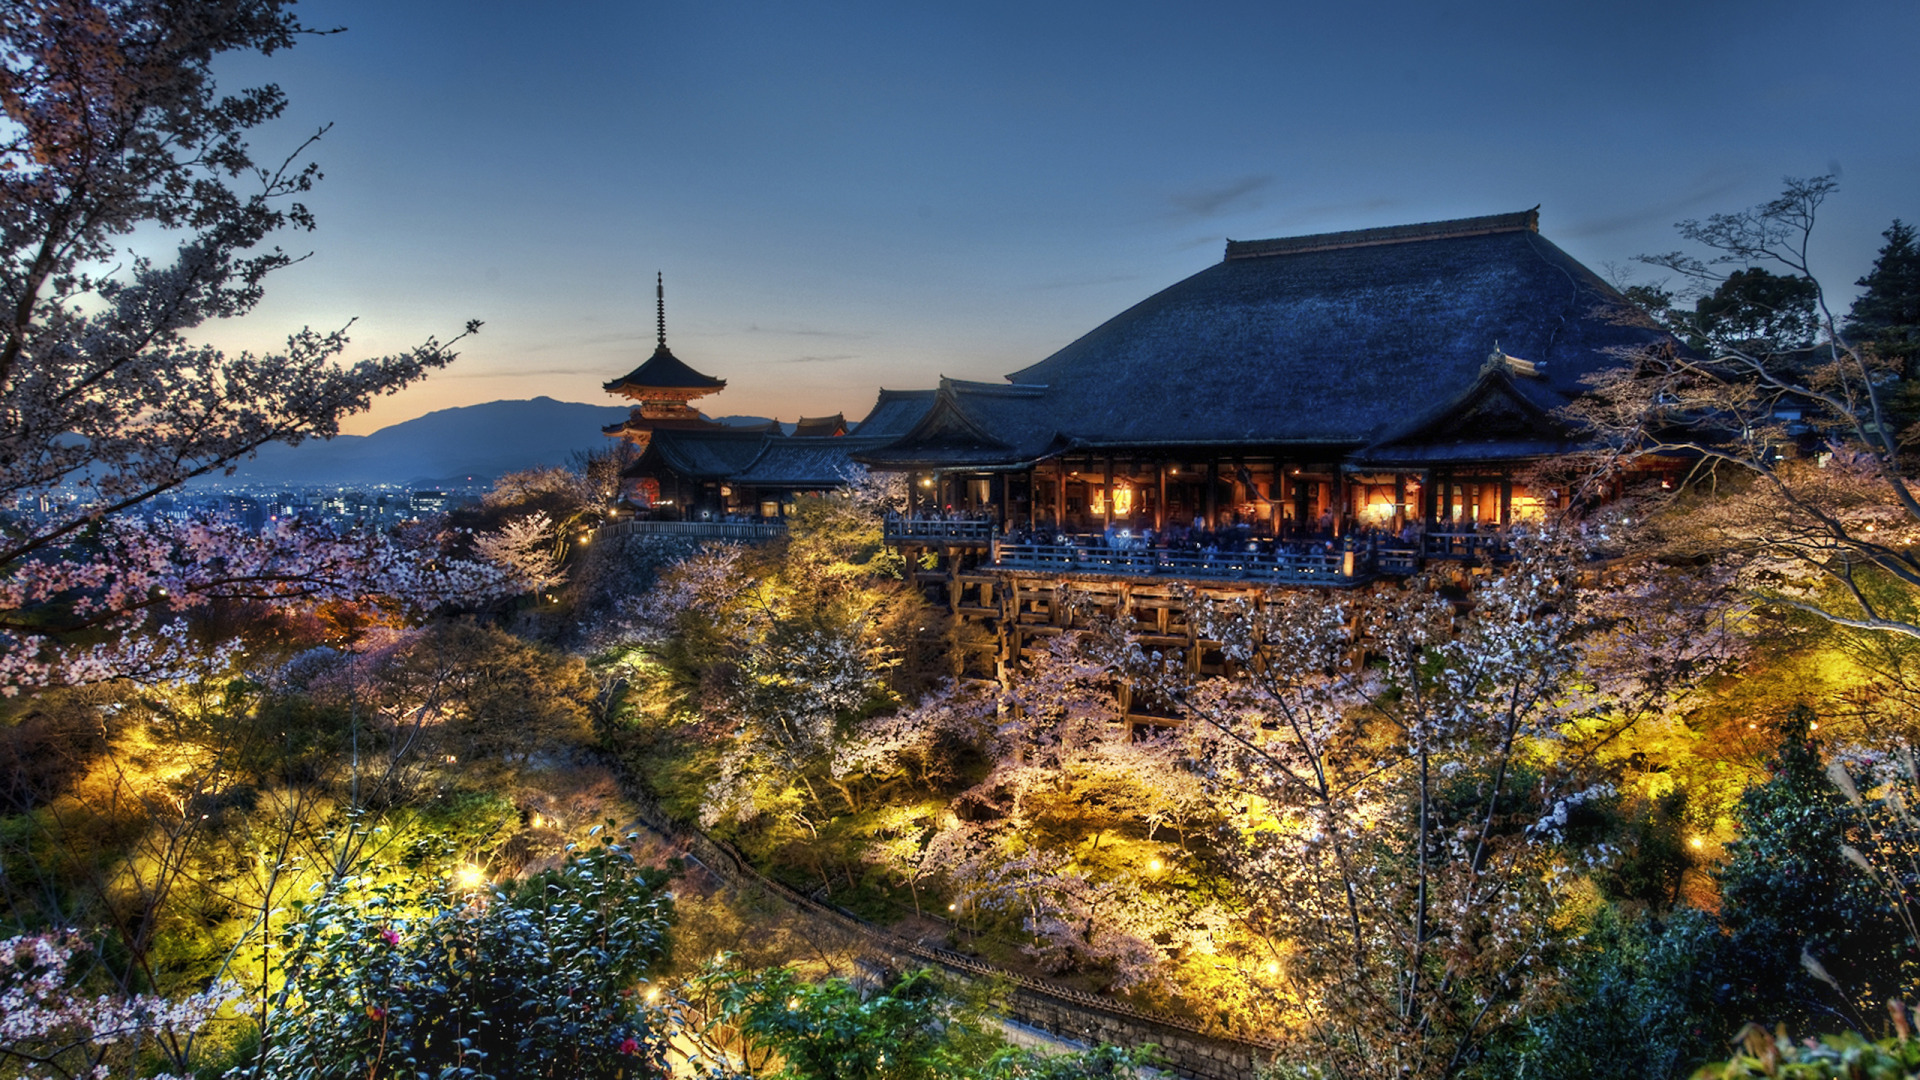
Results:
<point x="1641" y="1006"/>
<point x="1834" y="1057"/>
<point x="1787" y="892"/>
<point x="922" y="1027"/>
<point x="1654" y="856"/>
<point x="1887" y="315"/>
<point x="535" y="978"/>
<point x="1755" y="305"/>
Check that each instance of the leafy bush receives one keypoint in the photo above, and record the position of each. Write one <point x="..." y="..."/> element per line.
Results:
<point x="537" y="978"/>
<point x="923" y="1026"/>
<point x="1642" y="1005"/>
<point x="1834" y="1057"/>
<point x="1803" y="921"/>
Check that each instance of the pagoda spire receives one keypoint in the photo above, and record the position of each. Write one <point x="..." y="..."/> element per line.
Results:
<point x="664" y="384"/>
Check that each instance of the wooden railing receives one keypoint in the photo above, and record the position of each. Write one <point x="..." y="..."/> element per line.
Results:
<point x="1337" y="567"/>
<point x="1464" y="545"/>
<point x="938" y="530"/>
<point x="747" y="531"/>
<point x="1396" y="560"/>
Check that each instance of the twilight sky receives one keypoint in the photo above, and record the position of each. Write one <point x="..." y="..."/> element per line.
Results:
<point x="849" y="196"/>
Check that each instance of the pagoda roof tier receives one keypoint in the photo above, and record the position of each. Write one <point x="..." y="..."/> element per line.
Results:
<point x="665" y="371"/>
<point x="662" y="423"/>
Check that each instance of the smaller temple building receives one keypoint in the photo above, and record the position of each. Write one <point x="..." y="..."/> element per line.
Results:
<point x="691" y="468"/>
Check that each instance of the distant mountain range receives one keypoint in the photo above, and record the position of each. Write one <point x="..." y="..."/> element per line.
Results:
<point x="470" y="444"/>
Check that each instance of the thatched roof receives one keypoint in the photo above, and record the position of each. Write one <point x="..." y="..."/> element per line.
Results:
<point x="1331" y="341"/>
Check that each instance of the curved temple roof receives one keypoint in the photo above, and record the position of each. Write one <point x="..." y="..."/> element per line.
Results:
<point x="665" y="371"/>
<point x="1335" y="340"/>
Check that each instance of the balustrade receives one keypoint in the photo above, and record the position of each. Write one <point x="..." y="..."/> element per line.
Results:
<point x="749" y="531"/>
<point x="1337" y="567"/>
<point x="939" y="530"/>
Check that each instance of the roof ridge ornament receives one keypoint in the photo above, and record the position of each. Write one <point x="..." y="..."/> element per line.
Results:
<point x="1532" y="369"/>
<point x="660" y="298"/>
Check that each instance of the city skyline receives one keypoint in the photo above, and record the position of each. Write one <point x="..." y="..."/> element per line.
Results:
<point x="861" y="196"/>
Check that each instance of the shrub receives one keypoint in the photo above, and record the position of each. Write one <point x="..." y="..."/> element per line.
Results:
<point x="538" y="978"/>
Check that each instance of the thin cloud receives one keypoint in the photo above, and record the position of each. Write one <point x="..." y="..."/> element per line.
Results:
<point x="1349" y="210"/>
<point x="796" y="331"/>
<point x="519" y="374"/>
<point x="632" y="337"/>
<point x="1234" y="197"/>
<point x="1077" y="283"/>
<point x="1706" y="193"/>
<point x="817" y="359"/>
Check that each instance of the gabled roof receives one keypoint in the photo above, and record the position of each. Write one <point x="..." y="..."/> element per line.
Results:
<point x="1504" y="414"/>
<point x="975" y="423"/>
<point x="664" y="371"/>
<point x="804" y="463"/>
<point x="813" y="427"/>
<point x="896" y="412"/>
<point x="1332" y="341"/>
<point x="699" y="454"/>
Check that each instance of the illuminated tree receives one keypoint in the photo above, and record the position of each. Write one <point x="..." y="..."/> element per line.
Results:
<point x="920" y="1026"/>
<point x="524" y="548"/>
<point x="1402" y="830"/>
<point x="51" y="1027"/>
<point x="1801" y="474"/>
<point x="112" y="124"/>
<point x="530" y="978"/>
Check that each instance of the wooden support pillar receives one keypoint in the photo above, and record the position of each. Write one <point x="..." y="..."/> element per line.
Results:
<point x="1399" y="501"/>
<point x="1338" y="504"/>
<point x="1506" y="501"/>
<point x="1107" y="518"/>
<point x="1213" y="483"/>
<point x="1060" y="494"/>
<point x="953" y="580"/>
<point x="1160" y="502"/>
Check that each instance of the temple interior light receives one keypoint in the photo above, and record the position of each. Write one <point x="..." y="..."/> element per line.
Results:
<point x="1122" y="501"/>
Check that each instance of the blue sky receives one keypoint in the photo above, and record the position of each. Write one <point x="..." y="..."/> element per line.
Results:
<point x="846" y="196"/>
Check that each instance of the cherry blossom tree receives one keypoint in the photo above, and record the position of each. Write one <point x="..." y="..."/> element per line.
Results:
<point x="523" y="547"/>
<point x="50" y="1027"/>
<point x="111" y="124"/>
<point x="1801" y="476"/>
<point x="1405" y="825"/>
